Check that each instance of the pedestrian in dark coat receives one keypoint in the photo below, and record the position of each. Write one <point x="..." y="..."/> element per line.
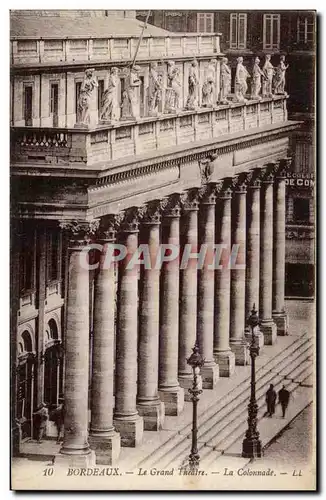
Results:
<point x="57" y="416"/>
<point x="41" y="416"/>
<point x="271" y="400"/>
<point x="283" y="399"/>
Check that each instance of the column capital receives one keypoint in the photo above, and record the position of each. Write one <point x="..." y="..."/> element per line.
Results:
<point x="255" y="181"/>
<point x="151" y="212"/>
<point x="282" y="167"/>
<point x="225" y="193"/>
<point x="109" y="227"/>
<point x="80" y="232"/>
<point x="190" y="200"/>
<point x="208" y="193"/>
<point x="130" y="220"/>
<point x="267" y="173"/>
<point x="173" y="206"/>
<point x="240" y="183"/>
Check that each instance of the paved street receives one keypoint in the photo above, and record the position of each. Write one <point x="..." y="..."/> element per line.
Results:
<point x="295" y="443"/>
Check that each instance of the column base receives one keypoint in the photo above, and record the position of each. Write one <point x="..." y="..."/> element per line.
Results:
<point x="281" y="321"/>
<point x="106" y="447"/>
<point x="76" y="460"/>
<point x="210" y="376"/>
<point x="269" y="330"/>
<point x="186" y="382"/>
<point x="259" y="337"/>
<point x="226" y="362"/>
<point x="153" y="415"/>
<point x="173" y="400"/>
<point x="241" y="352"/>
<point x="131" y="431"/>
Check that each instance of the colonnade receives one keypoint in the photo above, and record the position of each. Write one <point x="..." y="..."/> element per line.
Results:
<point x="162" y="311"/>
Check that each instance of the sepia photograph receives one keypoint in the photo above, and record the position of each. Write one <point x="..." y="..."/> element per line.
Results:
<point x="163" y="250"/>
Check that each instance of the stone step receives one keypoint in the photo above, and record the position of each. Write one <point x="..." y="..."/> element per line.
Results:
<point x="179" y="445"/>
<point x="232" y="428"/>
<point x="268" y="430"/>
<point x="237" y="435"/>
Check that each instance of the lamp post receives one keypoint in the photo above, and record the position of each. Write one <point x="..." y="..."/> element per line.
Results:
<point x="196" y="362"/>
<point x="251" y="445"/>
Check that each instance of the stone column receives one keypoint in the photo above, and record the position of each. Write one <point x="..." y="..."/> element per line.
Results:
<point x="222" y="352"/>
<point x="205" y="314"/>
<point x="75" y="449"/>
<point x="238" y="274"/>
<point x="148" y="402"/>
<point x="188" y="289"/>
<point x="170" y="391"/>
<point x="253" y="253"/>
<point x="103" y="438"/>
<point x="267" y="325"/>
<point x="126" y="418"/>
<point x="278" y="311"/>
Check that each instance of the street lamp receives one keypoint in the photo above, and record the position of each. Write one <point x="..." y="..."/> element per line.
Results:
<point x="196" y="362"/>
<point x="251" y="445"/>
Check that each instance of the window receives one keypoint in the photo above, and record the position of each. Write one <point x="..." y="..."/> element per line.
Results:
<point x="305" y="30"/>
<point x="205" y="23"/>
<point x="54" y="97"/>
<point x="26" y="256"/>
<point x="28" y="105"/>
<point x="77" y="92"/>
<point x="53" y="256"/>
<point x="271" y="31"/>
<point x="100" y="92"/>
<point x="238" y="31"/>
<point x="301" y="209"/>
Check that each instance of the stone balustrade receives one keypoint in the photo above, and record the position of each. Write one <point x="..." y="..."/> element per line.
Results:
<point x="115" y="48"/>
<point x="146" y="135"/>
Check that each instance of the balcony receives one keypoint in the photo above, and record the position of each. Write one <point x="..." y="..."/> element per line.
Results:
<point x="114" y="49"/>
<point x="80" y="147"/>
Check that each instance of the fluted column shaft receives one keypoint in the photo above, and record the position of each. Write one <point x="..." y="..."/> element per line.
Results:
<point x="149" y="405"/>
<point x="170" y="391"/>
<point x="205" y="315"/>
<point x="266" y="259"/>
<point x="222" y="352"/>
<point x="266" y="266"/>
<point x="278" y="311"/>
<point x="253" y="247"/>
<point x="103" y="437"/>
<point x="75" y="448"/>
<point x="238" y="276"/>
<point x="126" y="418"/>
<point x="188" y="296"/>
<point x="253" y="254"/>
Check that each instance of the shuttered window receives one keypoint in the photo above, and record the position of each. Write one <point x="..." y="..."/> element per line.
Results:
<point x="205" y="22"/>
<point x="271" y="31"/>
<point x="238" y="31"/>
<point x="305" y="30"/>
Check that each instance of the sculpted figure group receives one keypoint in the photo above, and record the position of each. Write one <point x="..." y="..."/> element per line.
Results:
<point x="164" y="90"/>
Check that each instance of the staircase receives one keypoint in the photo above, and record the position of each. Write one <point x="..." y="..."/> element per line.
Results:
<point x="222" y="424"/>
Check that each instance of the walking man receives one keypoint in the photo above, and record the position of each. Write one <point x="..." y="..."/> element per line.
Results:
<point x="57" y="417"/>
<point x="271" y="400"/>
<point x="41" y="418"/>
<point x="283" y="399"/>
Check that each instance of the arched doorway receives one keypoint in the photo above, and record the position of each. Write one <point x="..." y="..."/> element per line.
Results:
<point x="25" y="385"/>
<point x="53" y="368"/>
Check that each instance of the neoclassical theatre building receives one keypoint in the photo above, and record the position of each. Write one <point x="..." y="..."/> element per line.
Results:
<point x="102" y="152"/>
